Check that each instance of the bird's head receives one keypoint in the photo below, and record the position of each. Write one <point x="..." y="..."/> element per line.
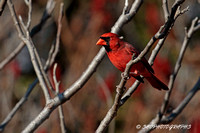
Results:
<point x="109" y="40"/>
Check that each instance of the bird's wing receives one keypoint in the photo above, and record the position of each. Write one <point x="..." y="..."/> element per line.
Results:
<point x="130" y="50"/>
<point x="147" y="65"/>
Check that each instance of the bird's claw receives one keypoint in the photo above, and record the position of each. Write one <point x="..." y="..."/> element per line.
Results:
<point x="126" y="76"/>
<point x="133" y="56"/>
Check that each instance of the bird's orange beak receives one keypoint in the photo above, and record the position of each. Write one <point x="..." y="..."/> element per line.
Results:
<point x="101" y="42"/>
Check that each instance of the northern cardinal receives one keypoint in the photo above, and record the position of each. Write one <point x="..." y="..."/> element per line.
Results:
<point x="121" y="52"/>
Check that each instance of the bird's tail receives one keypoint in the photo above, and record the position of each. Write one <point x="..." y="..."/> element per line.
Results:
<point x="156" y="83"/>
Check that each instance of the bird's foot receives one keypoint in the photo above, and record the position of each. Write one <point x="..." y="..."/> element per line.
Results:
<point x="126" y="76"/>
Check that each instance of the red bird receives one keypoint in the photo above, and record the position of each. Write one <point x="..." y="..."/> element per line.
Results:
<point x="121" y="52"/>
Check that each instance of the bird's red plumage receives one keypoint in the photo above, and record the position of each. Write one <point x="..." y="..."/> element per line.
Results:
<point x="120" y="53"/>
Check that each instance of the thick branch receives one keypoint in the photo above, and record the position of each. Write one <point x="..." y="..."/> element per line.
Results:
<point x="126" y="16"/>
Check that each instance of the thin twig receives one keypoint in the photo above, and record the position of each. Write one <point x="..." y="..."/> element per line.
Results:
<point x="18" y="105"/>
<point x="165" y="9"/>
<point x="26" y="38"/>
<point x="29" y="4"/>
<point x="51" y="58"/>
<point x="29" y="90"/>
<point x="178" y="64"/>
<point x="58" y="33"/>
<point x="60" y="110"/>
<point x="2" y="6"/>
<point x="171" y="19"/>
<point x="182" y="105"/>
<point x="175" y="112"/>
<point x="47" y="13"/>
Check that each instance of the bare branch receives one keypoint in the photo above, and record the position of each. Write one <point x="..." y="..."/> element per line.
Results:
<point x="26" y="38"/>
<point x="171" y="19"/>
<point x="133" y="88"/>
<point x="2" y="6"/>
<point x="159" y="116"/>
<point x="18" y="105"/>
<point x="29" y="4"/>
<point x="182" y="105"/>
<point x="178" y="64"/>
<point x="60" y="110"/>
<point x="52" y="54"/>
<point x="51" y="58"/>
<point x="57" y="83"/>
<point x="126" y="17"/>
<point x="58" y="33"/>
<point x="175" y="112"/>
<point x="165" y="9"/>
<point x="113" y="111"/>
<point x="180" y="12"/>
<point x="47" y="13"/>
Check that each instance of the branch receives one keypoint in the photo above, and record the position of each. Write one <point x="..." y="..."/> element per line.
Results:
<point x="113" y="111"/>
<point x="2" y="6"/>
<point x="29" y="4"/>
<point x="46" y="15"/>
<point x="18" y="105"/>
<point x="175" y="112"/>
<point x="24" y="36"/>
<point x="133" y="88"/>
<point x="171" y="19"/>
<point x="51" y="58"/>
<point x="187" y="38"/>
<point x="182" y="105"/>
<point x="126" y="16"/>
<point x="165" y="9"/>
<point x="157" y="119"/>
<point x="52" y="54"/>
<point x="60" y="110"/>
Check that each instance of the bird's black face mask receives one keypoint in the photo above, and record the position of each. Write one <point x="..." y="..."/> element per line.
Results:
<point x="107" y="40"/>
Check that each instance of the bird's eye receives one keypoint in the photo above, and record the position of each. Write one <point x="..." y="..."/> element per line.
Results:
<point x="107" y="39"/>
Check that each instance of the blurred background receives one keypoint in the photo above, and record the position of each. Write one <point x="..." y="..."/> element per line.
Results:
<point x="84" y="21"/>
